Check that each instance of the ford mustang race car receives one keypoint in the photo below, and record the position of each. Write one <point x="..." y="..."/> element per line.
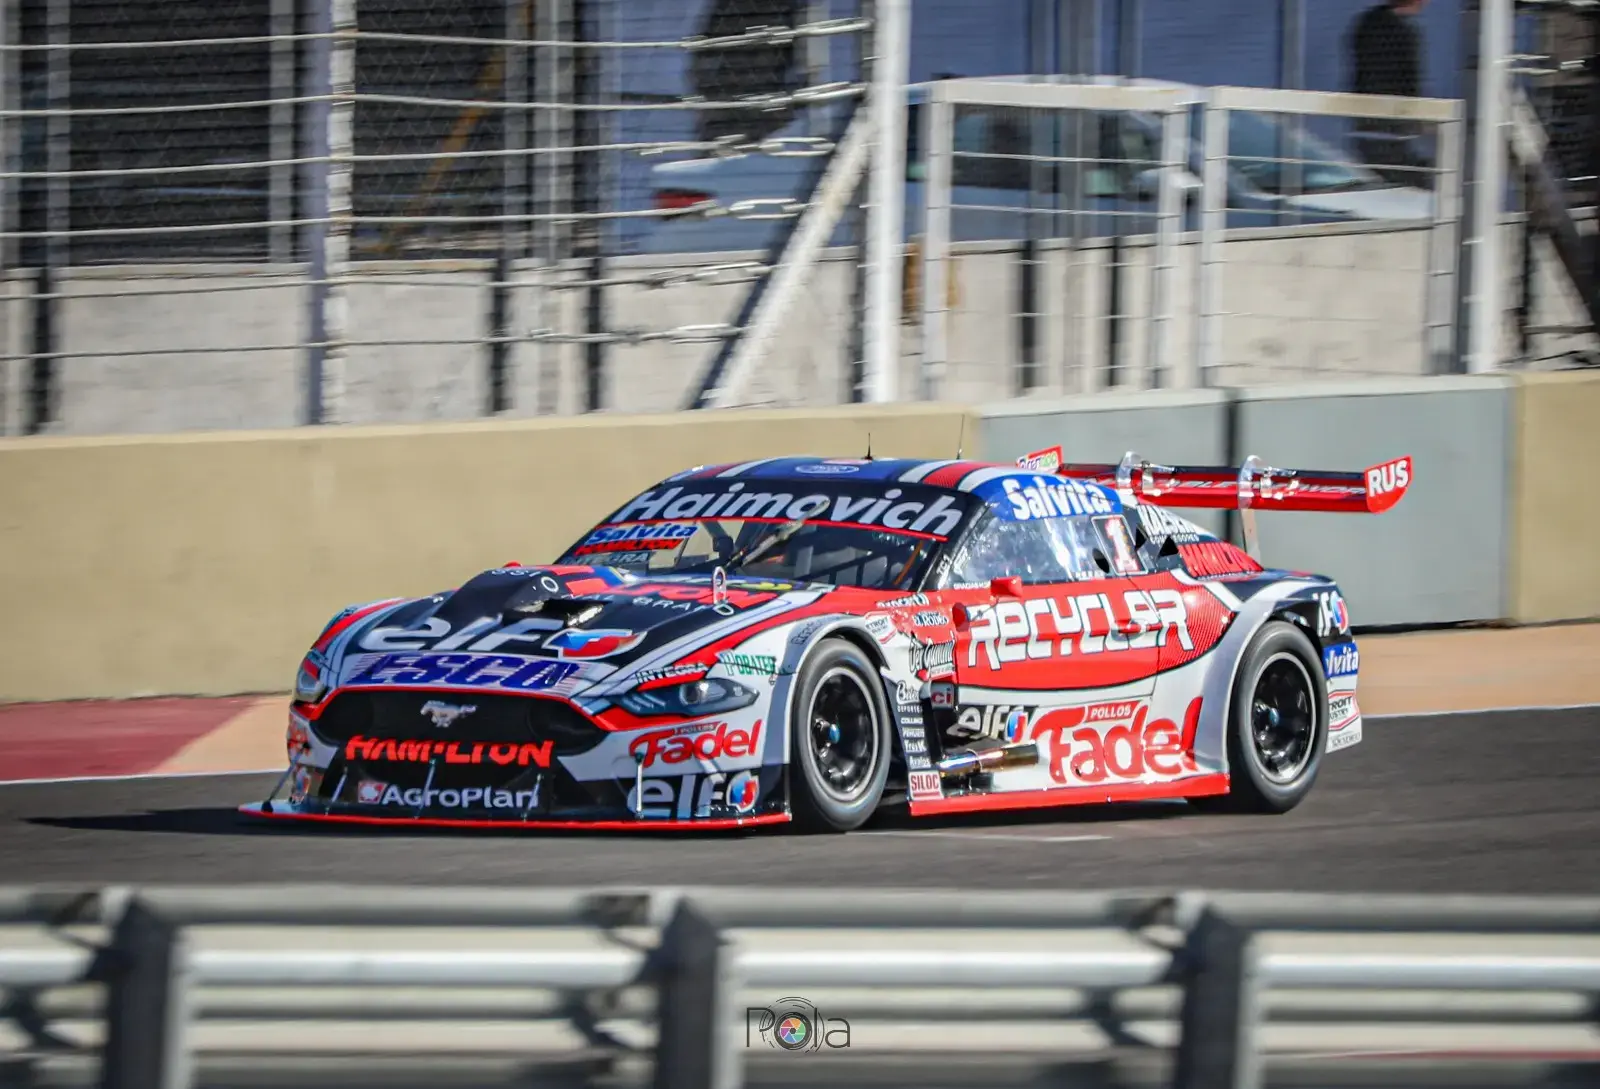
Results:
<point x="809" y="639"/>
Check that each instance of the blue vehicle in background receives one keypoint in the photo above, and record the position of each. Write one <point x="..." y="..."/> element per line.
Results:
<point x="994" y="181"/>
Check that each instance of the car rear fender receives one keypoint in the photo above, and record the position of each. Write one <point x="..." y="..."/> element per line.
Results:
<point x="1286" y="598"/>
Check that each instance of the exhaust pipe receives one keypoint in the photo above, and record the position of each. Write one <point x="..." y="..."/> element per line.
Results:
<point x="966" y="761"/>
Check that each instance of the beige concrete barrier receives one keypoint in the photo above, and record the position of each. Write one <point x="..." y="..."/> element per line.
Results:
<point x="1555" y="567"/>
<point x="205" y="563"/>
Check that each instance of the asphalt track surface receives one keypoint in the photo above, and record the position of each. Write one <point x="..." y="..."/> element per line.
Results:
<point x="1498" y="802"/>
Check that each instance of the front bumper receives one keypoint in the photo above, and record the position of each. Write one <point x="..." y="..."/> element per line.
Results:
<point x="500" y="761"/>
<point x="285" y="811"/>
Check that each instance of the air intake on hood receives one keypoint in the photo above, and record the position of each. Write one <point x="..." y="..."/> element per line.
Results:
<point x="534" y="599"/>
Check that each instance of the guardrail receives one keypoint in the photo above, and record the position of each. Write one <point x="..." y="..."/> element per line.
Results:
<point x="686" y="989"/>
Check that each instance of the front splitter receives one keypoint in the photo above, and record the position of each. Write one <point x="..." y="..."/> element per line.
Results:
<point x="284" y="812"/>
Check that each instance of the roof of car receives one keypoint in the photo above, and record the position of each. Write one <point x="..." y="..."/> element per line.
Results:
<point x="953" y="474"/>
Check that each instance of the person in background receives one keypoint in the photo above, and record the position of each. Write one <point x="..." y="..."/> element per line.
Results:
<point x="1386" y="55"/>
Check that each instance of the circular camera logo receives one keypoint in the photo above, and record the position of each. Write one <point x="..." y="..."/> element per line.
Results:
<point x="795" y="1025"/>
<point x="794" y="1032"/>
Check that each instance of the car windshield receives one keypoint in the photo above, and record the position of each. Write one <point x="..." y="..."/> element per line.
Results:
<point x="1254" y="141"/>
<point x="848" y="532"/>
<point x="798" y="551"/>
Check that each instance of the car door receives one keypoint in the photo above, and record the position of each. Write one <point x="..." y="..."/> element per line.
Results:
<point x="1057" y="619"/>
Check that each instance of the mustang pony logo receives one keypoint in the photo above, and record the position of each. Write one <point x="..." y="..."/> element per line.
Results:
<point x="444" y="715"/>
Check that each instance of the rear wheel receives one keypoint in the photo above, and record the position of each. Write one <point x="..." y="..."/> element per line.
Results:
<point x="1277" y="724"/>
<point x="839" y="748"/>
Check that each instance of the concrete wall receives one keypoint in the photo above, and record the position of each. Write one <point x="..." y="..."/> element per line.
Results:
<point x="1554" y="570"/>
<point x="1437" y="558"/>
<point x="205" y="564"/>
<point x="1302" y="303"/>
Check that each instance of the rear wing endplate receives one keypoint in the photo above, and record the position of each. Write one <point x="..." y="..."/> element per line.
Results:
<point x="1251" y="487"/>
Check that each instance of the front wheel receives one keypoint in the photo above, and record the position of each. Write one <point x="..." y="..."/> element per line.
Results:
<point x="839" y="746"/>
<point x="1277" y="723"/>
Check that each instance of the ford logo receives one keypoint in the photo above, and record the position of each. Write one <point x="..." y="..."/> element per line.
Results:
<point x="826" y="469"/>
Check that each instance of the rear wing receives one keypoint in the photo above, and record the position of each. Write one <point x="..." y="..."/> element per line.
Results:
<point x="1253" y="486"/>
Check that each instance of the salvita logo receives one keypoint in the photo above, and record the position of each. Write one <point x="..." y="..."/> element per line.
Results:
<point x="466" y="798"/>
<point x="938" y="516"/>
<point x="1341" y="661"/>
<point x="1046" y="498"/>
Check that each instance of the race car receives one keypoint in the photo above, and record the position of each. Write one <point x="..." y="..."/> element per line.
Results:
<point x="810" y="639"/>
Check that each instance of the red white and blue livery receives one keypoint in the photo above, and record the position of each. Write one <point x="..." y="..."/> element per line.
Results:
<point x="810" y="639"/>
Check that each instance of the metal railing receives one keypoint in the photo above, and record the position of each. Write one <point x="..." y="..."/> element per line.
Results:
<point x="694" y="989"/>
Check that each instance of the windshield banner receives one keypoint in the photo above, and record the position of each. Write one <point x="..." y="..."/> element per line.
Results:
<point x="903" y="508"/>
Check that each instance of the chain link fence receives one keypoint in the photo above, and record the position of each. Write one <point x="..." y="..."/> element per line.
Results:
<point x="265" y="212"/>
<point x="228" y="213"/>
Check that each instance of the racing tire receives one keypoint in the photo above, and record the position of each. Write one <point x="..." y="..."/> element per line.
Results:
<point x="1277" y="724"/>
<point x="839" y="740"/>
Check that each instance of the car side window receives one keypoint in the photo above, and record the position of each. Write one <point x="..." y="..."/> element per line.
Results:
<point x="1045" y="550"/>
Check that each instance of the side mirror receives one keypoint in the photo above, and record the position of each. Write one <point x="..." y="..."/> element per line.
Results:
<point x="1147" y="184"/>
<point x="1006" y="586"/>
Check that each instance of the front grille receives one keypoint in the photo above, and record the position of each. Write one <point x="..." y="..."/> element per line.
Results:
<point x="503" y="742"/>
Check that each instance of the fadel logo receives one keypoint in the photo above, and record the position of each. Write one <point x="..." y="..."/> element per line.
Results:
<point x="704" y="742"/>
<point x="1083" y="755"/>
<point x="1393" y="476"/>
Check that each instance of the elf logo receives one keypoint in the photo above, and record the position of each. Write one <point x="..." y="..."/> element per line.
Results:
<point x="998" y="721"/>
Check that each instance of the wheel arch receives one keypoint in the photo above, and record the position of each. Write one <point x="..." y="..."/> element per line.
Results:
<point x="849" y="629"/>
<point x="1279" y="602"/>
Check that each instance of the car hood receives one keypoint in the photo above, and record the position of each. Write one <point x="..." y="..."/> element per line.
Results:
<point x="1400" y="202"/>
<point x="557" y="630"/>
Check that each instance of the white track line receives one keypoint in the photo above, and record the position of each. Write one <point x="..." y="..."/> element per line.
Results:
<point x="990" y="836"/>
<point x="1032" y="839"/>
<point x="139" y="776"/>
<point x="1483" y="711"/>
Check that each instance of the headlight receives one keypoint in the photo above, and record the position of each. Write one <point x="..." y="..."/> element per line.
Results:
<point x="311" y="682"/>
<point x="712" y="696"/>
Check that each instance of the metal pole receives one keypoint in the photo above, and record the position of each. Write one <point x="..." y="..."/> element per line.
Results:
<point x="855" y="222"/>
<point x="42" y="378"/>
<point x="1130" y="24"/>
<point x="1489" y="176"/>
<point x="9" y="64"/>
<point x="329" y="132"/>
<point x="552" y="78"/>
<point x="280" y="138"/>
<point x="891" y="63"/>
<point x="1160" y="356"/>
<point x="147" y="1005"/>
<point x="514" y="200"/>
<point x="589" y="196"/>
<point x="1210" y="267"/>
<point x="937" y="139"/>
<point x="1444" y="250"/>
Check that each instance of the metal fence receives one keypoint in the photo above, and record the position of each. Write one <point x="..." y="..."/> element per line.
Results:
<point x="268" y="212"/>
<point x="1145" y="234"/>
<point x="717" y="988"/>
